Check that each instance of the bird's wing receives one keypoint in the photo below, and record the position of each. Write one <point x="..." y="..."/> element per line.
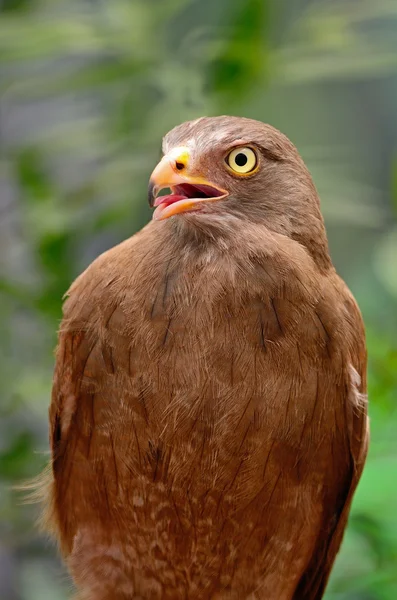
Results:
<point x="92" y="366"/>
<point x="356" y="426"/>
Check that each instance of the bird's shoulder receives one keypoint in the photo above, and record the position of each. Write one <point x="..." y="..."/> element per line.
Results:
<point x="120" y="275"/>
<point x="343" y="323"/>
<point x="93" y="287"/>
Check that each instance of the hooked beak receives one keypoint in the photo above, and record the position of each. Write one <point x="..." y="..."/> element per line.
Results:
<point x="188" y="192"/>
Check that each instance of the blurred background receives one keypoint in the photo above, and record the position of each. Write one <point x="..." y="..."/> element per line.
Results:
<point x="88" y="88"/>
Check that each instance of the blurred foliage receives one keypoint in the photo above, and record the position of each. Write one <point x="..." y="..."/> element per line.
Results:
<point x="88" y="87"/>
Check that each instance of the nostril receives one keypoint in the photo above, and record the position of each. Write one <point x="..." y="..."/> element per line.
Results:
<point x="179" y="166"/>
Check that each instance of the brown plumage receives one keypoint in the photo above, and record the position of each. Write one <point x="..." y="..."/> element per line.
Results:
<point x="208" y="419"/>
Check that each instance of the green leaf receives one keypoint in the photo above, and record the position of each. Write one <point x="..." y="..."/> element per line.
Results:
<point x="15" y="5"/>
<point x="243" y="56"/>
<point x="32" y="177"/>
<point x="14" y="461"/>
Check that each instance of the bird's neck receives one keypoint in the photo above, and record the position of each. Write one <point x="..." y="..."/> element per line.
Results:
<point x="245" y="262"/>
<point x="201" y="235"/>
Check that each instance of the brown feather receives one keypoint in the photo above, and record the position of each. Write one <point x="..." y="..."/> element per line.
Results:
<point x="208" y="419"/>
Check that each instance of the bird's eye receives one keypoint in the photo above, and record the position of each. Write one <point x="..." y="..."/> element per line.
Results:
<point x="242" y="160"/>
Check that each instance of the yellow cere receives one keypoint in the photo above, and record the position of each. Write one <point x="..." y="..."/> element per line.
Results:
<point x="180" y="155"/>
<point x="242" y="160"/>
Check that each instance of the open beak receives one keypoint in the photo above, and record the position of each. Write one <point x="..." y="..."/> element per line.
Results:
<point x="187" y="192"/>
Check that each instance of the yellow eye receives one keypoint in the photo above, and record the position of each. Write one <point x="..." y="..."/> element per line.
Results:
<point x="242" y="160"/>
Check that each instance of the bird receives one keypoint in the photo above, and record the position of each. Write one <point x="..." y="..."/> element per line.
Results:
<point x="208" y="418"/>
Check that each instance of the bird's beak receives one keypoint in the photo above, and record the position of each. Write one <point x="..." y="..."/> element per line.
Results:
<point x="188" y="192"/>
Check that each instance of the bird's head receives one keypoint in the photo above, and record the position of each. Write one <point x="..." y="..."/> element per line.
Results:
<point x="229" y="171"/>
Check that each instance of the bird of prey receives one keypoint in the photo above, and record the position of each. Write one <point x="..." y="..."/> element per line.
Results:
<point x="208" y="423"/>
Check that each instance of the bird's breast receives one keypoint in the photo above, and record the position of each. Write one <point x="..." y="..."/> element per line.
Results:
<point x="207" y="401"/>
<point x="206" y="380"/>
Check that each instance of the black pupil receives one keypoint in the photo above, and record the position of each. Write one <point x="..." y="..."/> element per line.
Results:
<point x="241" y="159"/>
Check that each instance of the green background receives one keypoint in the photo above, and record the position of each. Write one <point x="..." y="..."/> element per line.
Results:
<point x="88" y="88"/>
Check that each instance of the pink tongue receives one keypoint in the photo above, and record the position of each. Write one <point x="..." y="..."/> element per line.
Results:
<point x="168" y="199"/>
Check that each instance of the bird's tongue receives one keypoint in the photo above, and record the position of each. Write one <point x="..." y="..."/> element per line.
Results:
<point x="163" y="203"/>
<point x="168" y="199"/>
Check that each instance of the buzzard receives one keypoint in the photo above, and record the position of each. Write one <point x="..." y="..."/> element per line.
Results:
<point x="208" y="422"/>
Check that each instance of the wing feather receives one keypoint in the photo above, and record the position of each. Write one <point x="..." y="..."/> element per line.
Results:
<point x="356" y="425"/>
